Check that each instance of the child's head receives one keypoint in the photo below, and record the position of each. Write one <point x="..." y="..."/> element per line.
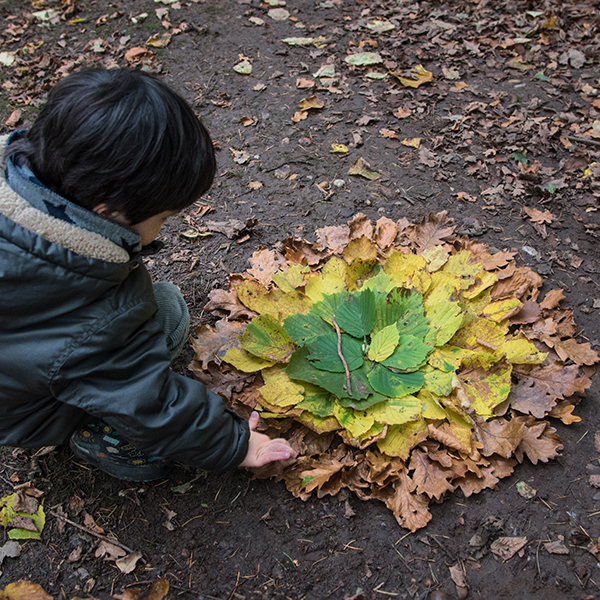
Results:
<point x="121" y="139"/>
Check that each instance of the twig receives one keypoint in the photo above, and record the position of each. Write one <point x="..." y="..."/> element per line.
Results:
<point x="339" y="349"/>
<point x="572" y="138"/>
<point x="98" y="535"/>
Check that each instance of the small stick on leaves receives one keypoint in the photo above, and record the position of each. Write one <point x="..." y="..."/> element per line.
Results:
<point x="339" y="349"/>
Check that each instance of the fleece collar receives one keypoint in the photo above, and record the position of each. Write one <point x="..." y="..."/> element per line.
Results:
<point x="33" y="206"/>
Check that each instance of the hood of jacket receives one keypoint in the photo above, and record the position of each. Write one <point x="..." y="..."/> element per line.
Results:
<point x="45" y="253"/>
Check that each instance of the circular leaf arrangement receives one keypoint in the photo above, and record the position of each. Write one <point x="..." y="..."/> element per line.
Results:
<point x="401" y="362"/>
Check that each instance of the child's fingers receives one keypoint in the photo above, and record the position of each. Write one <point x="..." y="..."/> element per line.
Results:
<point x="253" y="420"/>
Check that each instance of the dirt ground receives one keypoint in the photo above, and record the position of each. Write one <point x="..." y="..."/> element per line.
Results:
<point x="513" y="83"/>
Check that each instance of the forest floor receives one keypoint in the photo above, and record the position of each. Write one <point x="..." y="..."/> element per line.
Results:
<point x="504" y="136"/>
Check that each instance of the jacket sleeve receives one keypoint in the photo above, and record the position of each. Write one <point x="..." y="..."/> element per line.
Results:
<point x="120" y="373"/>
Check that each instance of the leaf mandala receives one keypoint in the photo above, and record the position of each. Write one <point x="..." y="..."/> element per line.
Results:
<point x="400" y="361"/>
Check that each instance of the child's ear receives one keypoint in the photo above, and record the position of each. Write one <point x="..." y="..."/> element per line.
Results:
<point x="108" y="213"/>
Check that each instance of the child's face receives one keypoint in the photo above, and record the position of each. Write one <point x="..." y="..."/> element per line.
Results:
<point x="150" y="228"/>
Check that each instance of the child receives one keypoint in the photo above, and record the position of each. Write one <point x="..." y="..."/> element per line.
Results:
<point x="86" y="337"/>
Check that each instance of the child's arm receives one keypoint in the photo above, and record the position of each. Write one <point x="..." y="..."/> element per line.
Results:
<point x="262" y="449"/>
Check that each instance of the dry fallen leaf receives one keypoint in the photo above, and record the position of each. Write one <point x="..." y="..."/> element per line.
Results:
<point x="128" y="563"/>
<point x="538" y="216"/>
<point x="507" y="547"/>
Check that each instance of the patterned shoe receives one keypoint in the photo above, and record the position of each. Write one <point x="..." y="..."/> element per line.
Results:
<point x="101" y="446"/>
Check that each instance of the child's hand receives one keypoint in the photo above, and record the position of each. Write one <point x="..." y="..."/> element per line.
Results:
<point x="262" y="449"/>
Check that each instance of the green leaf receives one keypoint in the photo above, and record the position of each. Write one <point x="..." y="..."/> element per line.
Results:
<point x="324" y="352"/>
<point x="357" y="315"/>
<point x="320" y="404"/>
<point x="383" y="343"/>
<point x="303" y="329"/>
<point x="405" y="308"/>
<point x="445" y="320"/>
<point x="410" y="354"/>
<point x="364" y="403"/>
<point x="301" y="369"/>
<point x="381" y="283"/>
<point x="329" y="306"/>
<point x="264" y="337"/>
<point x="437" y="382"/>
<point x="519" y="156"/>
<point x="364" y="59"/>
<point x="394" y="385"/>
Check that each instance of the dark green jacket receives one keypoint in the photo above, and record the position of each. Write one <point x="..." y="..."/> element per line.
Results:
<point x="78" y="342"/>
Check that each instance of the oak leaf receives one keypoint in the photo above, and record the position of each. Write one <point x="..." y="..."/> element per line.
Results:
<point x="410" y="509"/>
<point x="538" y="216"/>
<point x="264" y="263"/>
<point x="507" y="547"/>
<point x="430" y="478"/>
<point x="226" y="303"/>
<point x="540" y="441"/>
<point x="538" y="390"/>
<point x="335" y="238"/>
<point x="582" y="354"/>
<point x="552" y="299"/>
<point x="499" y="436"/>
<point x="360" y="226"/>
<point x="432" y="231"/>
<point x="211" y="343"/>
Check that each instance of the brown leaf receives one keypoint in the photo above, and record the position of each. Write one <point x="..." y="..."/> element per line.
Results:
<point x="227" y="304"/>
<point x="109" y="551"/>
<point x="360" y="226"/>
<point x="427" y="157"/>
<point x="386" y="231"/>
<point x="582" y="354"/>
<point x="557" y="546"/>
<point x="128" y="563"/>
<point x="521" y="282"/>
<point x="540" y="441"/>
<point x="529" y="313"/>
<point x="23" y="503"/>
<point x="429" y="477"/>
<point x="491" y="262"/>
<point x="13" y="120"/>
<point x="231" y="229"/>
<point x="563" y="411"/>
<point x="89" y="522"/>
<point x="23" y="523"/>
<point x="552" y="299"/>
<point x="499" y="436"/>
<point x="211" y="343"/>
<point x="409" y="509"/>
<point x="222" y="382"/>
<point x="507" y="547"/>
<point x="264" y="263"/>
<point x="433" y="231"/>
<point x="538" y="216"/>
<point x="136" y="53"/>
<point x="321" y="472"/>
<point x="475" y="482"/>
<point x="312" y="253"/>
<point x="537" y="392"/>
<point x="335" y="238"/>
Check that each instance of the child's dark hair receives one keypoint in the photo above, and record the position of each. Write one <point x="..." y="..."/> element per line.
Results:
<point x="122" y="138"/>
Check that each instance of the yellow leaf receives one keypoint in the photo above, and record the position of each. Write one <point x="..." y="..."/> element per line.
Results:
<point x="355" y="422"/>
<point x="335" y="266"/>
<point x="383" y="343"/>
<point x="404" y="268"/>
<point x="360" y="248"/>
<point x="279" y="389"/>
<point x="320" y="285"/>
<point x="464" y="266"/>
<point x="430" y="406"/>
<point x="485" y="388"/>
<point x="416" y="77"/>
<point x="396" y="411"/>
<point x="480" y="332"/>
<point x="483" y="281"/>
<point x="448" y="358"/>
<point x="502" y="309"/>
<point x="339" y="149"/>
<point x="401" y="439"/>
<point x="412" y="142"/>
<point x="318" y="424"/>
<point x="244" y="361"/>
<point x="436" y="257"/>
<point x="294" y="278"/>
<point x="521" y="352"/>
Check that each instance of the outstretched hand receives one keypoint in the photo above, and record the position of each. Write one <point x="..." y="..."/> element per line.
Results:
<point x="262" y="449"/>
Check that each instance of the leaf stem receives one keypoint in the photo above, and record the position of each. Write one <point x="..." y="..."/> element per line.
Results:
<point x="339" y="349"/>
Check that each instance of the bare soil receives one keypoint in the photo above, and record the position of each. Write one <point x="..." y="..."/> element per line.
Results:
<point x="509" y="85"/>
